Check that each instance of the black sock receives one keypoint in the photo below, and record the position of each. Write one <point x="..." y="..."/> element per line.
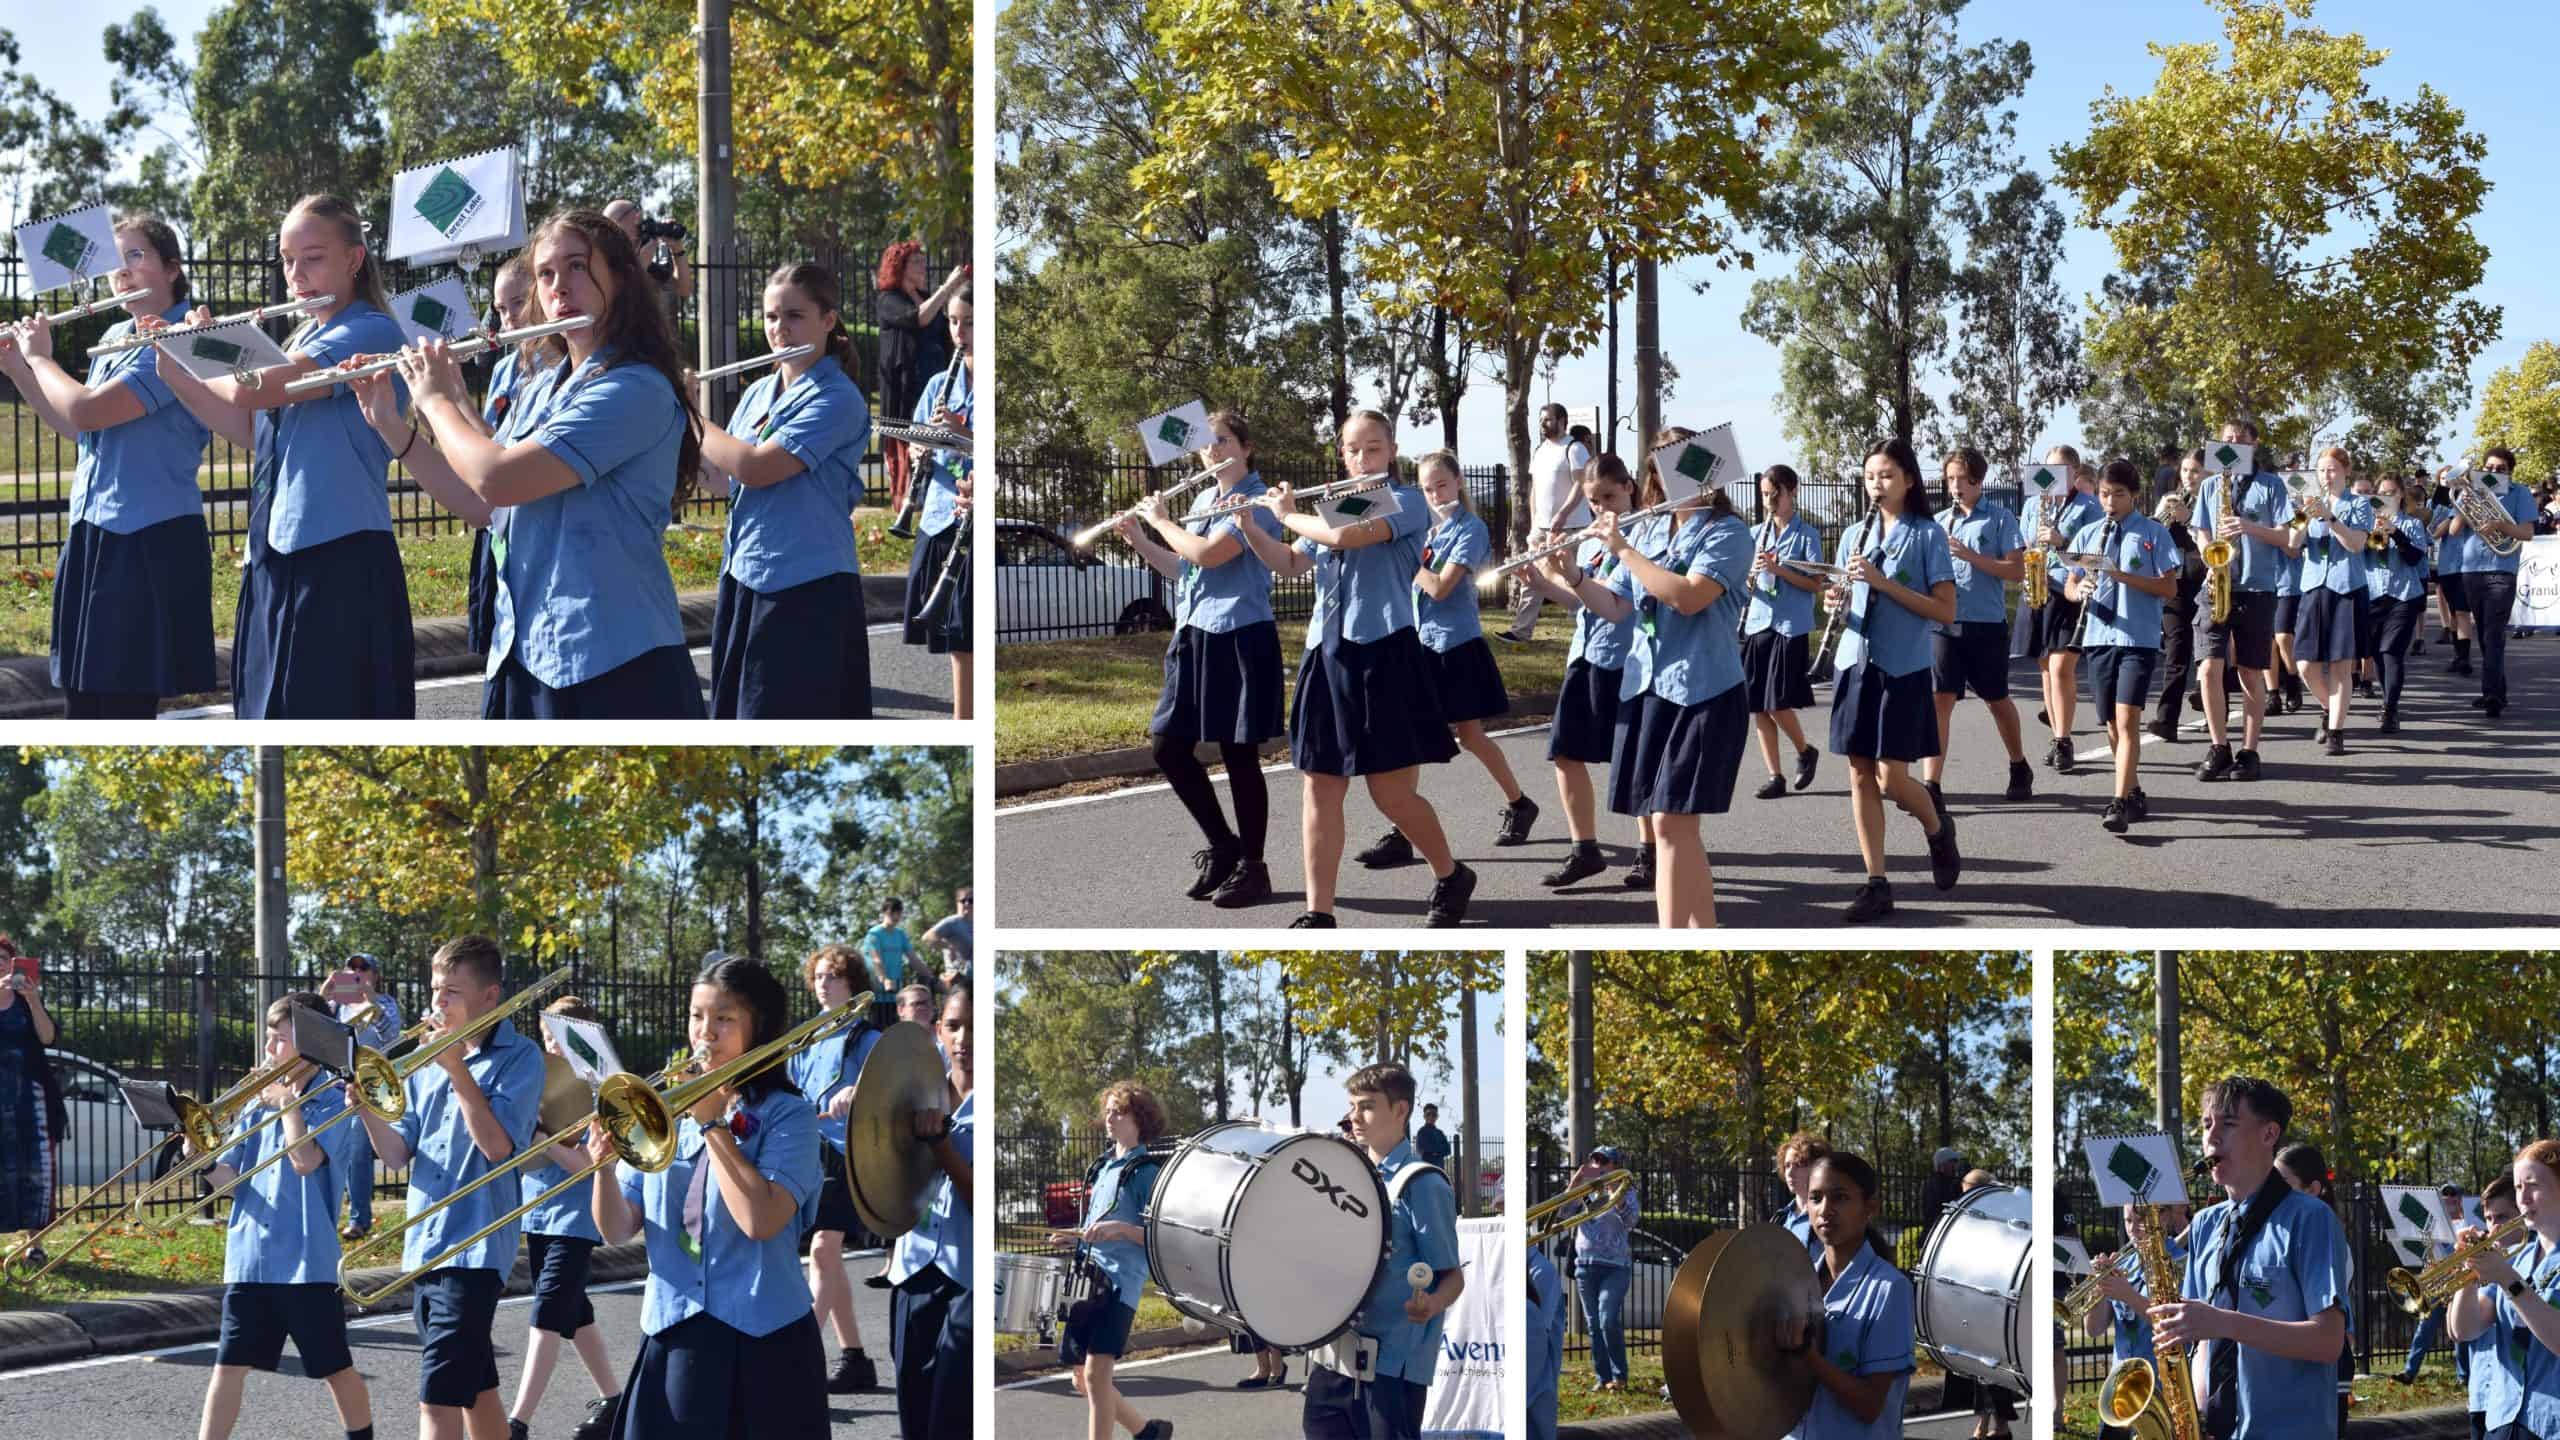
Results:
<point x="1190" y="780"/>
<point x="2462" y="649"/>
<point x="1586" y="847"/>
<point x="364" y="1434"/>
<point x="1253" y="797"/>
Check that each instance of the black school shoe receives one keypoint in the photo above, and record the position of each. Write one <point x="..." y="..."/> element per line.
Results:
<point x="1517" y="817"/>
<point x="2337" y="742"/>
<point x="2390" y="723"/>
<point x="1215" y="864"/>
<point x="1250" y="885"/>
<point x="1774" y="788"/>
<point x="599" y="1421"/>
<point x="1449" y="896"/>
<point x="853" y="1374"/>
<point x="2217" y="765"/>
<point x="1313" y="920"/>
<point x="2244" y="766"/>
<point x="1640" y="874"/>
<point x="1874" y="901"/>
<point x="2139" y="804"/>
<point x="1806" y="759"/>
<point x="2022" y="780"/>
<point x="1945" y="865"/>
<point x="1388" y="851"/>
<point x="1581" y="863"/>
<point x="2119" y="817"/>
<point x="2063" y="756"/>
<point x="1155" y="1430"/>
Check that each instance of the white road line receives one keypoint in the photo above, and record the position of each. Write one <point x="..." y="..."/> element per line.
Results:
<point x="1155" y="787"/>
<point x="1061" y="1377"/>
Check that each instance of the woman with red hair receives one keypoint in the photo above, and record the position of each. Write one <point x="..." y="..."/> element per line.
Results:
<point x="912" y="346"/>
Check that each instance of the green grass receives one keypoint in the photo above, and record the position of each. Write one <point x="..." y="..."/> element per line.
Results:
<point x="1072" y="697"/>
<point x="2435" y="1388"/>
<point x="1576" y="1401"/>
<point x="138" y="1260"/>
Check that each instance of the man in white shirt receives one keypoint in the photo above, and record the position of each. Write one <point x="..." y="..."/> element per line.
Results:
<point x="1555" y="504"/>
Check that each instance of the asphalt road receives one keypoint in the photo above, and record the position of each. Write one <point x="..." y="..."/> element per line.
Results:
<point x="2309" y="845"/>
<point x="1195" y="1389"/>
<point x="161" y="1393"/>
<point x="906" y="684"/>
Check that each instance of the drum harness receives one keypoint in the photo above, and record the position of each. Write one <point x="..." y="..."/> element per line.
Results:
<point x="1351" y="1354"/>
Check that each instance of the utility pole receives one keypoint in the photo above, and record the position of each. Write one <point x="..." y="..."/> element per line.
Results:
<point x="1579" y="1115"/>
<point x="2167" y="1084"/>
<point x="1470" y="1129"/>
<point x="715" y="190"/>
<point x="270" y="902"/>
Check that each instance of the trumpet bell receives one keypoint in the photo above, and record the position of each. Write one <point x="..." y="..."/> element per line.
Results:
<point x="641" y="1124"/>
<point x="378" y="1086"/>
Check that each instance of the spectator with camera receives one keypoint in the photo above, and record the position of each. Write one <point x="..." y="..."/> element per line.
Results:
<point x="661" y="243"/>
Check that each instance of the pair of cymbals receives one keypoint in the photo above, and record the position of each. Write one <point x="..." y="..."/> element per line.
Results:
<point x="1720" y="1334"/>
<point x="889" y="1170"/>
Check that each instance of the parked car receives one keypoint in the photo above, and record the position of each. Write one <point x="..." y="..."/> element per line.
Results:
<point x="1045" y="586"/>
<point x="101" y="1136"/>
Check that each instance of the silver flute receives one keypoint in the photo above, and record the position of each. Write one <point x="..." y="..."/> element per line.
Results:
<point x="82" y="312"/>
<point x="139" y="339"/>
<point x="461" y="349"/>
<point x="778" y="357"/>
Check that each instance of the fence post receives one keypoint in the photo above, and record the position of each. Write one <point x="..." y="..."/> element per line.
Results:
<point x="205" y="1029"/>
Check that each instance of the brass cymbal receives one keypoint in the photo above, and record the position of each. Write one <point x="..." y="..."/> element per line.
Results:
<point x="888" y="1169"/>
<point x="566" y="1100"/>
<point x="1720" y="1334"/>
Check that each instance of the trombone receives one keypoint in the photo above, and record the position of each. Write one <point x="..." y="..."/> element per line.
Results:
<point x="2420" y="1291"/>
<point x="140" y="340"/>
<point x="642" y="1124"/>
<point x="1608" y="1189"/>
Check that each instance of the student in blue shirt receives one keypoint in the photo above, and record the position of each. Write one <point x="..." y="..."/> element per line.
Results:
<point x="1797" y="1157"/>
<point x="932" y="1310"/>
<point x="1861" y="1358"/>
<point x="467" y="1112"/>
<point x="1223" y="684"/>
<point x="2306" y="1169"/>
<point x="1972" y="654"/>
<point x="1406" y="1325"/>
<point x="2402" y="608"/>
<point x="1898" y="581"/>
<point x="2120" y="610"/>
<point x="1682" y="707"/>
<point x="381" y="1035"/>
<point x="731" y="1345"/>
<point x="2047" y="634"/>
<point x="2453" y="542"/>
<point x="2491" y="585"/>
<point x="789" y="640"/>
<point x="577" y="489"/>
<point x="2518" y="1302"/>
<point x="2331" y="615"/>
<point x="1583" y="731"/>
<point x="1777" y="630"/>
<point x="279" y="1259"/>
<point x="1453" y="647"/>
<point x="2266" y="1273"/>
<point x="2125" y="1317"/>
<point x="132" y="596"/>
<point x="2284" y="676"/>
<point x="322" y="628"/>
<point x="2486" y="1376"/>
<point x="1546" y="1344"/>
<point x="511" y="295"/>
<point x="2377" y="582"/>
<point x="887" y="947"/>
<point x="1114" y="1237"/>
<point x="824" y="1074"/>
<point x="1364" y="705"/>
<point x="560" y="1239"/>
<point x="2257" y="507"/>
<point x="948" y="510"/>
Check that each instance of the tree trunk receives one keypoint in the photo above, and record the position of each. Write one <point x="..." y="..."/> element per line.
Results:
<point x="1218" y="1029"/>
<point x="1337" y="331"/>
<point x="1755" y="1093"/>
<point x="484" y="841"/>
<point x="2168" y="1088"/>
<point x="1609" y="437"/>
<point x="754" y="819"/>
<point x="1519" y="362"/>
<point x="2341" y="1113"/>
<point x="1583" y="1089"/>
<point x="1470" y="1133"/>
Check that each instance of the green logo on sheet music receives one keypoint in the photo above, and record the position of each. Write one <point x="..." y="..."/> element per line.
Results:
<point x="1356" y="505"/>
<point x="578" y="1046"/>
<point x="1174" y="431"/>
<point x="2228" y="456"/>
<point x="2062" y="1257"/>
<point x="68" y="248"/>
<point x="1697" y="462"/>
<point x="214" y="348"/>
<point x="2043" y="480"/>
<point x="430" y="312"/>
<point x="448" y="200"/>
<point x="2415" y="1213"/>
<point x="2132" y="1167"/>
<point x="2415" y="1249"/>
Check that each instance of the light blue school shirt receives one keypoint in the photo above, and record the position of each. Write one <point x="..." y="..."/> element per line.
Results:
<point x="1235" y="593"/>
<point x="583" y="586"/>
<point x="1546" y="1344"/>
<point x="506" y="380"/>
<point x="332" y="473"/>
<point x="442" y="1159"/>
<point x="2489" y="1379"/>
<point x="1867" y="1329"/>
<point x="828" y="1066"/>
<point x="2117" y="613"/>
<point x="1601" y="642"/>
<point x="2519" y="507"/>
<point x="2295" y="1268"/>
<point x="942" y="470"/>
<point x="284" y="1224"/>
<point x="1365" y="595"/>
<point x="1424" y="1227"/>
<point x="2132" y="1334"/>
<point x="2261" y="499"/>
<point x="1447" y="624"/>
<point x="143" y="471"/>
<point x="571" y="1214"/>
<point x="801" y="529"/>
<point x="1799" y="1223"/>
<point x="946" y="1219"/>
<point x="2528" y="1385"/>
<point x="1113" y="1197"/>
<point x="1775" y="604"/>
<point x="2327" y="562"/>
<point x="754" y="1287"/>
<point x="1690" y="659"/>
<point x="1880" y="630"/>
<point x="1992" y="531"/>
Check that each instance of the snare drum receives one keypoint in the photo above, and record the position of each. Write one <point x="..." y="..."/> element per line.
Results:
<point x="1970" y="1293"/>
<point x="1032" y="1293"/>
<point x="1279" y="1232"/>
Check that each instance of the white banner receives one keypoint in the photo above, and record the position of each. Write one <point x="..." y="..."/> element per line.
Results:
<point x="438" y="209"/>
<point x="1465" y="1402"/>
<point x="441" y="311"/>
<point x="68" y="248"/>
<point x="2538" y="584"/>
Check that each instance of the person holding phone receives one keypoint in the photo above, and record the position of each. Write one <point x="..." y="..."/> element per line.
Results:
<point x="356" y="984"/>
<point x="30" y="1108"/>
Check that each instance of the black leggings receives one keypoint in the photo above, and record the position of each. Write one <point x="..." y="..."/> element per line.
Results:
<point x="109" y="705"/>
<point x="1178" y="759"/>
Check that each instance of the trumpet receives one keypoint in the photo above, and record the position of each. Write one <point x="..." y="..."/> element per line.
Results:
<point x="82" y="312"/>
<point x="462" y="349"/>
<point x="641" y="1123"/>
<point x="2420" y="1291"/>
<point x="904" y="525"/>
<point x="2089" y="1292"/>
<point x="1599" y="1196"/>
<point x="1332" y="490"/>
<point x="1084" y="538"/>
<point x="139" y="340"/>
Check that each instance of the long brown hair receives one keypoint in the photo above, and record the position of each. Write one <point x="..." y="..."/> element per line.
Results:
<point x="819" y="284"/>
<point x="634" y="324"/>
<point x="351" y="228"/>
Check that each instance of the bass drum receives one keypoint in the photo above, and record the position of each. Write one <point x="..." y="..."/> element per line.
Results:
<point x="1970" y="1293"/>
<point x="1278" y="1232"/>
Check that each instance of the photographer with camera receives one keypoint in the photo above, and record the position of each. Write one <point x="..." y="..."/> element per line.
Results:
<point x="661" y="243"/>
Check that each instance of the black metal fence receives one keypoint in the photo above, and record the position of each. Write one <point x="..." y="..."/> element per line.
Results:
<point x="37" y="466"/>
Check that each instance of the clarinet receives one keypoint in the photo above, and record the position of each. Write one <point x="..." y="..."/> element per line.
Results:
<point x="1831" y="628"/>
<point x="904" y="527"/>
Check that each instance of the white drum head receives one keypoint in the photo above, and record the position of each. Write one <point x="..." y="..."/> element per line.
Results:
<point x="1310" y="1233"/>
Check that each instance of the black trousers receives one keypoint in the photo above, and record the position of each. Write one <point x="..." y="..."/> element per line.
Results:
<point x="2177" y="669"/>
<point x="2493" y="603"/>
<point x="929" y="1347"/>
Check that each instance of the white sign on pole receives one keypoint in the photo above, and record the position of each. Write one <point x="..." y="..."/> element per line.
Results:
<point x="68" y="249"/>
<point x="1708" y="460"/>
<point x="2229" y="457"/>
<point x="2136" y="1169"/>
<point x="2048" y="482"/>
<point x="2070" y="1257"/>
<point x="2538" y="584"/>
<point x="587" y="1048"/>
<point x="437" y="210"/>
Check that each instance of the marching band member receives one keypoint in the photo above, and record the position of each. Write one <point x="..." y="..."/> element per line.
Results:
<point x="1682" y="709"/>
<point x="1882" y="707"/>
<point x="1861" y="1359"/>
<point x="1422" y="1229"/>
<point x="2453" y="566"/>
<point x="279" y="1257"/>
<point x="789" y="640"/>
<point x="2258" y="507"/>
<point x="2333" y="605"/>
<point x="2306" y="1169"/>
<point x="730" y="1341"/>
<point x="2125" y="1318"/>
<point x="2518" y="1301"/>
<point x="467" y="1112"/>
<point x="1546" y="1343"/>
<point x="577" y="488"/>
<point x="2266" y="1280"/>
<point x="1222" y="679"/>
<point x="560" y="1240"/>
<point x="2488" y="1378"/>
<point x="952" y="404"/>
<point x="2284" y="675"/>
<point x="2120" y="625"/>
<point x="1797" y="1158"/>
<point x="1364" y="704"/>
<point x="1971" y="652"/>
<point x="1584" y="730"/>
<point x="322" y="627"/>
<point x="1777" y="631"/>
<point x="2044" y="634"/>
<point x="2492" y="582"/>
<point x="933" y="1318"/>
<point x="511" y="293"/>
<point x="132" y="596"/>
<point x="1114" y="1237"/>
<point x="2377" y="584"/>
<point x="2178" y="617"/>
<point x="824" y="1074"/>
<point x="1463" y="673"/>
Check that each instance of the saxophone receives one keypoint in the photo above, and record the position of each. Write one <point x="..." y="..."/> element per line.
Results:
<point x="2034" y="584"/>
<point x="2153" y="1398"/>
<point x="2218" y="557"/>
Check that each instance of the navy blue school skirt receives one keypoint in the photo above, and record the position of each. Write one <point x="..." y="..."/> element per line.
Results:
<point x="1585" y="727"/>
<point x="2330" y="626"/>
<point x="322" y="633"/>
<point x="653" y="685"/>
<point x="799" y="653"/>
<point x="1777" y="672"/>
<point x="481" y="612"/>
<point x="950" y="635"/>
<point x="1222" y="686"/>
<point x="133" y="613"/>
<point x="1468" y="682"/>
<point x="2034" y="632"/>
<point x="1884" y="717"/>
<point x="1367" y="709"/>
<point x="1678" y="759"/>
<point x="702" y="1378"/>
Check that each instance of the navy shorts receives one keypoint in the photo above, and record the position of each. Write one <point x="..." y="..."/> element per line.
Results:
<point x="257" y="1319"/>
<point x="2288" y="611"/>
<point x="457" y="1315"/>
<point x="2248" y="638"/>
<point x="559" y="1264"/>
<point x="1884" y="717"/>
<point x="835" y="1197"/>
<point x="2120" y="674"/>
<point x="1975" y="658"/>
<point x="1105" y="1331"/>
<point x="2456" y="594"/>
<point x="2331" y="626"/>
<point x="1337" y="1407"/>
